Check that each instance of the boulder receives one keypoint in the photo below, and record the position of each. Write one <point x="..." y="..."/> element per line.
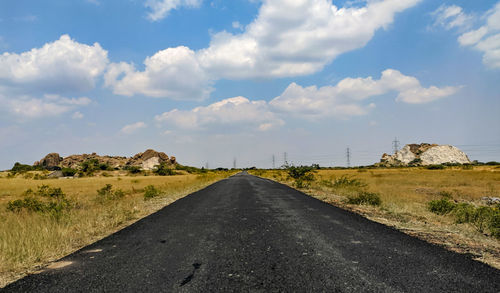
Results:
<point x="50" y="161"/>
<point x="425" y="154"/>
<point x="149" y="159"/>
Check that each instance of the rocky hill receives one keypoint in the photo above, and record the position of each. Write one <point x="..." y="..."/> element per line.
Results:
<point x="146" y="160"/>
<point x="425" y="154"/>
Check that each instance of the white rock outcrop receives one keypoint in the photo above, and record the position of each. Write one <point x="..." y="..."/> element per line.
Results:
<point x="443" y="154"/>
<point x="426" y="154"/>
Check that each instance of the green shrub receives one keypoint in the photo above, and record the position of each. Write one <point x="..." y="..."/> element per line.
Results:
<point x="105" y="167"/>
<point x="301" y="172"/>
<point x="68" y="172"/>
<point x="435" y="167"/>
<point x="164" y="170"/>
<point x="133" y="169"/>
<point x="464" y="213"/>
<point x="482" y="218"/>
<point x="21" y="168"/>
<point x="441" y="206"/>
<point x="46" y="200"/>
<point x="107" y="193"/>
<point x="494" y="224"/>
<point x="88" y="167"/>
<point x="368" y="198"/>
<point x="150" y="191"/>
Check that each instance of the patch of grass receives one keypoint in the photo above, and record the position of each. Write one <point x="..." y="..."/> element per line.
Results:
<point x="366" y="198"/>
<point x="346" y="181"/>
<point x="441" y="206"/>
<point x="108" y="193"/>
<point x="151" y="191"/>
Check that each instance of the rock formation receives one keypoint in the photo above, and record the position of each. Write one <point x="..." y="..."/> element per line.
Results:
<point x="50" y="161"/>
<point x="146" y="160"/>
<point x="425" y="154"/>
<point x="149" y="159"/>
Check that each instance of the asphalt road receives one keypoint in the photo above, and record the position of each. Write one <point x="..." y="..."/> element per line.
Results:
<point x="246" y="234"/>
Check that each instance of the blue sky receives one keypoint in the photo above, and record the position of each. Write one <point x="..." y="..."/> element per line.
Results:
<point x="210" y="81"/>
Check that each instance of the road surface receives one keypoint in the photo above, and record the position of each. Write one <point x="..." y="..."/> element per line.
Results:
<point x="246" y="234"/>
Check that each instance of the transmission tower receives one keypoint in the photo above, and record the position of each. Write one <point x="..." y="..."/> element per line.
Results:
<point x="206" y="166"/>
<point x="274" y="162"/>
<point x="395" y="145"/>
<point x="348" y="155"/>
<point x="234" y="163"/>
<point x="285" y="159"/>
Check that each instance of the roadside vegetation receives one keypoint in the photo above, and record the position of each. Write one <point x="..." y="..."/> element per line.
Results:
<point x="446" y="205"/>
<point x="43" y="220"/>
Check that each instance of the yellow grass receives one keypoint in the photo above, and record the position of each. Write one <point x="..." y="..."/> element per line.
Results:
<point x="405" y="194"/>
<point x="31" y="240"/>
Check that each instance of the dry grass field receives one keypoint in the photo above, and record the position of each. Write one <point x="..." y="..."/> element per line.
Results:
<point x="405" y="194"/>
<point x="30" y="240"/>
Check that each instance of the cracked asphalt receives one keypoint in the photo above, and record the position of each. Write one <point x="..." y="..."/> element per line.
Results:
<point x="251" y="234"/>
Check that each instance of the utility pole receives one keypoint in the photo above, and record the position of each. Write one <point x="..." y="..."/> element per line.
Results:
<point x="274" y="161"/>
<point x="395" y="145"/>
<point x="234" y="163"/>
<point x="348" y="155"/>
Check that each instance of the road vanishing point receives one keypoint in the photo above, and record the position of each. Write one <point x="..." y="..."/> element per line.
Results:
<point x="248" y="234"/>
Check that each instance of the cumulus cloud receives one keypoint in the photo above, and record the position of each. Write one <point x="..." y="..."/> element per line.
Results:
<point x="61" y="66"/>
<point x="172" y="73"/>
<point x="301" y="41"/>
<point x="485" y="39"/>
<point x="232" y="111"/>
<point x="161" y="8"/>
<point x="348" y="97"/>
<point x="49" y="105"/>
<point x="131" y="128"/>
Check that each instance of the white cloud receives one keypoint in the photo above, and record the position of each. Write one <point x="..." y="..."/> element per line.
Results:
<point x="61" y="66"/>
<point x="172" y="73"/>
<point x="232" y="111"/>
<point x="350" y="97"/>
<point x="237" y="25"/>
<point x="346" y="98"/>
<point x="161" y="8"/>
<point x="49" y="105"/>
<point x="131" y="128"/>
<point x="485" y="39"/>
<point x="77" y="115"/>
<point x="452" y="16"/>
<point x="301" y="41"/>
